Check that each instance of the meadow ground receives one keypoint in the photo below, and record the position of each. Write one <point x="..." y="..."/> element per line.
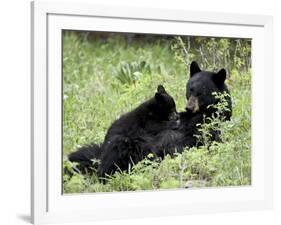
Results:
<point x="103" y="79"/>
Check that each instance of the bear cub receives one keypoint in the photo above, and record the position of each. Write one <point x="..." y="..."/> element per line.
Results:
<point x="126" y="141"/>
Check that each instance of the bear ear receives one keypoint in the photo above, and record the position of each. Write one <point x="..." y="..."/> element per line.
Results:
<point x="161" y="89"/>
<point x="220" y="77"/>
<point x="194" y="68"/>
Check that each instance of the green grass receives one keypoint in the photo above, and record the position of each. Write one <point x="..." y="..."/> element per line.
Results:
<point x="104" y="79"/>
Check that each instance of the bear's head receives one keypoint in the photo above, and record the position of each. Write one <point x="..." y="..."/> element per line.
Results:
<point x="200" y="88"/>
<point x="164" y="106"/>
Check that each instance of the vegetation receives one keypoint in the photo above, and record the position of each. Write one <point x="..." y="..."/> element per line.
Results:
<point x="105" y="76"/>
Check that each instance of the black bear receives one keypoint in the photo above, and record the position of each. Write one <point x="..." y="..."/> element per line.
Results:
<point x="199" y="94"/>
<point x="147" y="129"/>
<point x="126" y="139"/>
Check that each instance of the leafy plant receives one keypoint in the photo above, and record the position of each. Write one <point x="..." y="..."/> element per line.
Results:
<point x="213" y="52"/>
<point x="129" y="73"/>
<point x="106" y="77"/>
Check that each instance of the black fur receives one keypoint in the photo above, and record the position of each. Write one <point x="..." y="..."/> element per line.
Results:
<point x="199" y="89"/>
<point x="125" y="141"/>
<point x="84" y="157"/>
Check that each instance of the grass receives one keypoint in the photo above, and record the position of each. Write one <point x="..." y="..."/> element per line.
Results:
<point x="103" y="79"/>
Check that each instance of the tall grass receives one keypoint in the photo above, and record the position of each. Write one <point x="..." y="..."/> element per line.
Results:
<point x="106" y="77"/>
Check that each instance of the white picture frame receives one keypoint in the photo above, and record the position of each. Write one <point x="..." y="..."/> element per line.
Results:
<point x="47" y="202"/>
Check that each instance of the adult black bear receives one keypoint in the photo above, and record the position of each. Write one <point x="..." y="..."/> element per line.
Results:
<point x="126" y="140"/>
<point x="199" y="94"/>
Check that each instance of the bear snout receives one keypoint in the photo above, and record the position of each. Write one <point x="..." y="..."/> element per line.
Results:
<point x="193" y="104"/>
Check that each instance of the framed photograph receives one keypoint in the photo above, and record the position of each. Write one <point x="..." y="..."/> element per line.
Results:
<point x="140" y="112"/>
